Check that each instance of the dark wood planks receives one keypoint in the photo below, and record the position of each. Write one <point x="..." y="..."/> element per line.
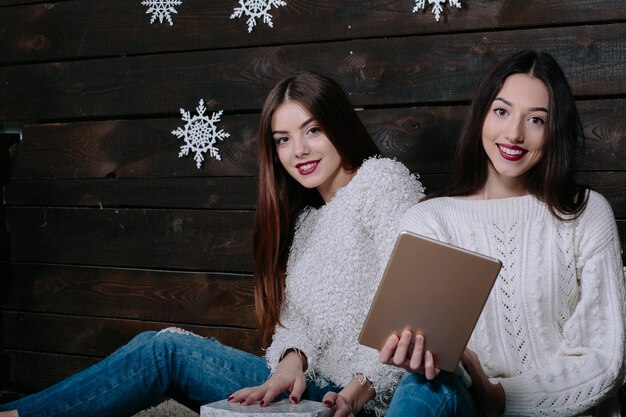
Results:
<point x="140" y="238"/>
<point x="165" y="296"/>
<point x="194" y="193"/>
<point x="33" y="367"/>
<point x="440" y="68"/>
<point x="130" y="149"/>
<point x="77" y="29"/>
<point x="184" y="239"/>
<point x="422" y="137"/>
<point x="33" y="371"/>
<point x="89" y="336"/>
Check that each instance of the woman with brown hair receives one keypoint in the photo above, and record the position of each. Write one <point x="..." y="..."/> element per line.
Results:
<point x="326" y="218"/>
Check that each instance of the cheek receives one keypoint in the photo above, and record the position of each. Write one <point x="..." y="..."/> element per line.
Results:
<point x="281" y="154"/>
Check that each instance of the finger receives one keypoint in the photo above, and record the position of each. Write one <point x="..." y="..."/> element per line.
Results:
<point x="269" y="396"/>
<point x="400" y="355"/>
<point x="299" y="385"/>
<point x="429" y="364"/>
<point x="418" y="353"/>
<point x="239" y="395"/>
<point x="343" y="407"/>
<point x="386" y="353"/>
<point x="330" y="399"/>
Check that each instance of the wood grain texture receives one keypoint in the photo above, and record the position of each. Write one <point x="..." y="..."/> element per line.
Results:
<point x="99" y="337"/>
<point x="164" y="239"/>
<point x="110" y="233"/>
<point x="32" y="370"/>
<point x="422" y="137"/>
<point x="439" y="68"/>
<point x="150" y="295"/>
<point x="58" y="31"/>
<point x="191" y="193"/>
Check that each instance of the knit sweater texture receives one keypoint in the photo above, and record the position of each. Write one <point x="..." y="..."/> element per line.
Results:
<point x="337" y="258"/>
<point x="553" y="329"/>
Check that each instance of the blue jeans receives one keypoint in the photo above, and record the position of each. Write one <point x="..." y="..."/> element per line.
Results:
<point x="186" y="367"/>
<point x="195" y="371"/>
<point x="444" y="396"/>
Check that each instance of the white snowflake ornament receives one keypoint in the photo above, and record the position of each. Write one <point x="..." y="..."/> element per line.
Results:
<point x="437" y="6"/>
<point x="256" y="9"/>
<point x="200" y="134"/>
<point x="161" y="9"/>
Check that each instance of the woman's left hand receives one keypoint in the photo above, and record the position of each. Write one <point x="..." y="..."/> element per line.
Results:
<point x="490" y="398"/>
<point x="350" y="400"/>
<point x="343" y="407"/>
<point x="407" y="352"/>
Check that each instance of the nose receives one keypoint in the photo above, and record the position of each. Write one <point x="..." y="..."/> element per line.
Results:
<point x="301" y="148"/>
<point x="515" y="131"/>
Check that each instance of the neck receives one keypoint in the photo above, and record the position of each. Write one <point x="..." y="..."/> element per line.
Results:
<point x="497" y="187"/>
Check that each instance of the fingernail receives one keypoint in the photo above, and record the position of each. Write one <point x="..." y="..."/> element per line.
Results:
<point x="230" y="397"/>
<point x="293" y="399"/>
<point x="262" y="404"/>
<point x="327" y="403"/>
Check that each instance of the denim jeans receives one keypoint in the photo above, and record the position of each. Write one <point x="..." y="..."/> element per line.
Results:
<point x="191" y="369"/>
<point x="444" y="396"/>
<point x="195" y="371"/>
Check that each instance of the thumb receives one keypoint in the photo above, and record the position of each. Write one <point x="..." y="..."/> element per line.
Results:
<point x="329" y="399"/>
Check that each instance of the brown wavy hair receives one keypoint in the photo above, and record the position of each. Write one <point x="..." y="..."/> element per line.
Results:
<point x="280" y="197"/>
<point x="553" y="179"/>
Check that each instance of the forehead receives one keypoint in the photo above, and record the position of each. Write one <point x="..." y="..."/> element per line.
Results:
<point x="290" y="112"/>
<point x="525" y="90"/>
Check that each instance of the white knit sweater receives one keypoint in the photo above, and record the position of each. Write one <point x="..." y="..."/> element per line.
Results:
<point x="553" y="330"/>
<point x="336" y="261"/>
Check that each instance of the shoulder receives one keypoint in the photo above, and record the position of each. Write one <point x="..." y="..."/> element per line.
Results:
<point x="425" y="217"/>
<point x="597" y="212"/>
<point x="597" y="222"/>
<point x="597" y="202"/>
<point x="377" y="165"/>
<point x="428" y="208"/>
<point x="383" y="175"/>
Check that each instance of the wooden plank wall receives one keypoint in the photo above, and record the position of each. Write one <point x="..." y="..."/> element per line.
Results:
<point x="111" y="233"/>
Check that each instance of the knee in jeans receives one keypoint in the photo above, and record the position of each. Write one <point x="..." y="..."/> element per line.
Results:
<point x="142" y="338"/>
<point x="173" y="339"/>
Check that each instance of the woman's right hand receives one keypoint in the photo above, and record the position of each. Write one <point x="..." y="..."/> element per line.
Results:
<point x="407" y="352"/>
<point x="288" y="376"/>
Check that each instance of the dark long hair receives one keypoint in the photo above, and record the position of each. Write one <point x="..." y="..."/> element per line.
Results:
<point x="553" y="179"/>
<point x="280" y="197"/>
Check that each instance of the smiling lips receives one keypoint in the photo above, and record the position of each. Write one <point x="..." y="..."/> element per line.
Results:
<point x="511" y="152"/>
<point x="306" y="168"/>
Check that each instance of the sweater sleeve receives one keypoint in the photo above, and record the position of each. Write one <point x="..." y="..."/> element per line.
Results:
<point x="589" y="364"/>
<point x="392" y="190"/>
<point x="292" y="334"/>
<point x="294" y="330"/>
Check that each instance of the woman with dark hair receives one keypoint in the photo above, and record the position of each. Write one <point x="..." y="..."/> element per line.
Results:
<point x="551" y="338"/>
<point x="326" y="218"/>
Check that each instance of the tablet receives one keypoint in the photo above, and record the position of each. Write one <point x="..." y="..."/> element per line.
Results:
<point x="432" y="288"/>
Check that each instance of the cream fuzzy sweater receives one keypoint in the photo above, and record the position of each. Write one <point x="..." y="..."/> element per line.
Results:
<point x="336" y="261"/>
<point x="553" y="330"/>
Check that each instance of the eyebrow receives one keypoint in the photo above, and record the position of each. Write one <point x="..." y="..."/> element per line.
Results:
<point x="306" y="122"/>
<point x="508" y="103"/>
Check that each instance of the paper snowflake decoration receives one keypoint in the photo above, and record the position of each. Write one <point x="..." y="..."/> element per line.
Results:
<point x="161" y="9"/>
<point x="200" y="134"/>
<point x="437" y="8"/>
<point x="256" y="9"/>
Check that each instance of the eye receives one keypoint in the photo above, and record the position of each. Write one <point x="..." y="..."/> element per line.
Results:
<point x="499" y="111"/>
<point x="313" y="130"/>
<point x="537" y="121"/>
<point x="280" y="140"/>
